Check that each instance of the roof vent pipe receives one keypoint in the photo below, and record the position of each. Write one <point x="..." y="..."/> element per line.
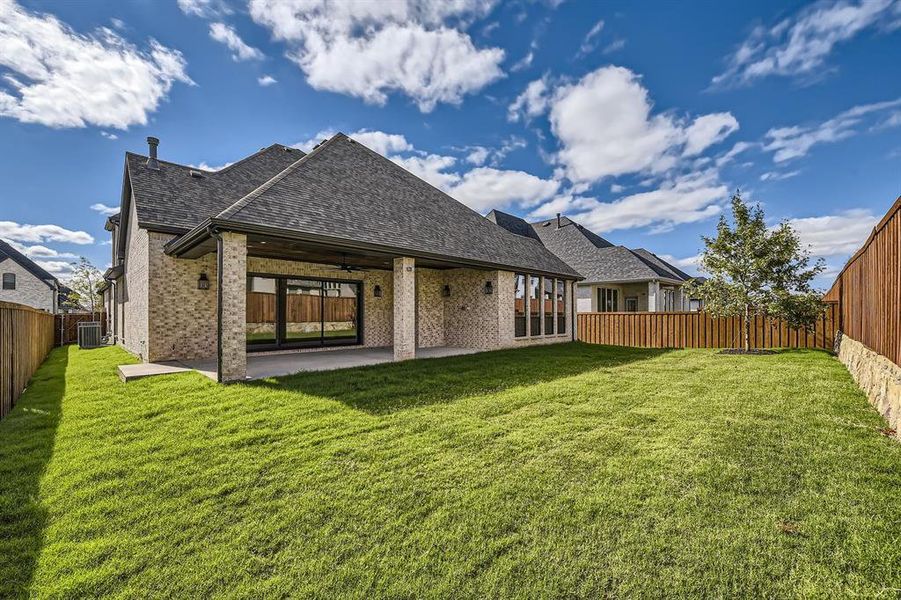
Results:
<point x="152" y="163"/>
<point x="558" y="220"/>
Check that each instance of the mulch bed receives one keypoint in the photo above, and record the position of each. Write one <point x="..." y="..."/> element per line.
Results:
<point x="743" y="351"/>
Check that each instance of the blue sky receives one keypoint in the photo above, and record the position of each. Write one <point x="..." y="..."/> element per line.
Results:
<point x="636" y="119"/>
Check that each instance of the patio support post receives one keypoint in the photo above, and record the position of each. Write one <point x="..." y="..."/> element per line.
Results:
<point x="232" y="311"/>
<point x="653" y="293"/>
<point x="404" y="308"/>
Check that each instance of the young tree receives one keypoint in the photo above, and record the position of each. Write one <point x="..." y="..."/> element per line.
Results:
<point x="756" y="270"/>
<point x="84" y="281"/>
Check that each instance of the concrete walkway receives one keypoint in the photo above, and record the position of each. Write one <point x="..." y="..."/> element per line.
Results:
<point x="276" y="365"/>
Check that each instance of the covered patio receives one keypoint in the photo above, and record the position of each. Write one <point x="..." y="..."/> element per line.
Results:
<point x="262" y="366"/>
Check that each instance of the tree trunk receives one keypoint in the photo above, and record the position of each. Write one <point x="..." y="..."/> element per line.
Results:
<point x="746" y="322"/>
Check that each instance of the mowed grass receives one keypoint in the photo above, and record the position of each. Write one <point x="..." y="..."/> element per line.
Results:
<point x="557" y="471"/>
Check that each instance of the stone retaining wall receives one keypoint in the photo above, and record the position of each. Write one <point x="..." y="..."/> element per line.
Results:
<point x="876" y="375"/>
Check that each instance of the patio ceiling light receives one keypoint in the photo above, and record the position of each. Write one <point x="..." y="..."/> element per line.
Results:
<point x="203" y="282"/>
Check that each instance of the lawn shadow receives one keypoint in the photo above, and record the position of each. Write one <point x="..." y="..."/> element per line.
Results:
<point x="391" y="387"/>
<point x="27" y="437"/>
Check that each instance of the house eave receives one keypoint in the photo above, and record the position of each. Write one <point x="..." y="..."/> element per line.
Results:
<point x="178" y="247"/>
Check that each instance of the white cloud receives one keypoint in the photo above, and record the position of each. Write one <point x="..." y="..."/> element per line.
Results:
<point x="226" y="34"/>
<point x="605" y="125"/>
<point x="485" y="188"/>
<point x="614" y="46"/>
<point x="267" y="80"/>
<point x="532" y="102"/>
<point x="734" y="151"/>
<point x="615" y="188"/>
<point x="39" y="251"/>
<point x="787" y="143"/>
<point x="370" y="49"/>
<point x="432" y="168"/>
<point x="109" y="136"/>
<point x="834" y="235"/>
<point x="478" y="155"/>
<point x="203" y="166"/>
<point x="206" y="9"/>
<point x="708" y="130"/>
<point x="378" y="141"/>
<point x="689" y="263"/>
<point x="685" y="199"/>
<point x="524" y="63"/>
<point x="103" y="209"/>
<point x="57" y="268"/>
<point x="800" y="45"/>
<point x="588" y="42"/>
<point x="10" y="230"/>
<point x="778" y="175"/>
<point x="67" y="79"/>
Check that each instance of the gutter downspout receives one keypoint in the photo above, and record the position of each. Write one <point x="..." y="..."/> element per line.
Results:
<point x="214" y="233"/>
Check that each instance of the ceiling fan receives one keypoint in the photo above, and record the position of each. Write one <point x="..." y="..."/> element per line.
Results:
<point x="346" y="267"/>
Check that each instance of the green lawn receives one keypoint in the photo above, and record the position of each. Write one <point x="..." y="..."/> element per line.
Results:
<point x="572" y="470"/>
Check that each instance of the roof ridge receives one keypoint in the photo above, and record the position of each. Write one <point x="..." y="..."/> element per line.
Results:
<point x="222" y="170"/>
<point x="233" y="209"/>
<point x="10" y="251"/>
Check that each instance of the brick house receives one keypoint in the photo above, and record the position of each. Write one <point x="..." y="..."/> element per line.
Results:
<point x="26" y="282"/>
<point x="616" y="278"/>
<point x="286" y="251"/>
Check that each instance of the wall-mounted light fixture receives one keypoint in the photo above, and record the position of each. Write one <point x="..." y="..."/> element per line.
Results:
<point x="203" y="282"/>
<point x="489" y="288"/>
<point x="445" y="291"/>
<point x="377" y="291"/>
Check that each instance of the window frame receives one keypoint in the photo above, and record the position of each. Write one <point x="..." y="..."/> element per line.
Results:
<point x="9" y="277"/>
<point x="517" y="277"/>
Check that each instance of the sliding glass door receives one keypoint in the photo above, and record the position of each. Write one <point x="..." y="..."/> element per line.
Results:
<point x="284" y="312"/>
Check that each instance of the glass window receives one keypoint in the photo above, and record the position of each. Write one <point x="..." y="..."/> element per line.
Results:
<point x="303" y="310"/>
<point x="262" y="310"/>
<point x="9" y="281"/>
<point x="608" y="300"/>
<point x="519" y="306"/>
<point x="339" y="312"/>
<point x="632" y="304"/>
<point x="561" y="306"/>
<point x="548" y="305"/>
<point x="534" y="314"/>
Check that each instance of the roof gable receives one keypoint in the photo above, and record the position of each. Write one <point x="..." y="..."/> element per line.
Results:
<point x="7" y="251"/>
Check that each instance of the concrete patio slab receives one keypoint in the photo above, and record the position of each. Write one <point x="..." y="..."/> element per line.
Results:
<point x="261" y="366"/>
<point x="131" y="372"/>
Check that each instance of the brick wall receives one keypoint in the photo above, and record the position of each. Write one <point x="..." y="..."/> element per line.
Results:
<point x="134" y="289"/>
<point x="29" y="291"/>
<point x="876" y="375"/>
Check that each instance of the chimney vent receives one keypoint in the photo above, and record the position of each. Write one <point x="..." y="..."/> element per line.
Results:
<point x="558" y="220"/>
<point x="152" y="163"/>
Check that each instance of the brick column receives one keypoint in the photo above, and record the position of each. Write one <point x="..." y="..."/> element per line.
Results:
<point x="404" y="308"/>
<point x="233" y="307"/>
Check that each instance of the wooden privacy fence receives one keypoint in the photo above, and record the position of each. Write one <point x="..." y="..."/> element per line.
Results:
<point x="26" y="336"/>
<point x="700" y="330"/>
<point x="66" y="327"/>
<point x="300" y="308"/>
<point x="869" y="289"/>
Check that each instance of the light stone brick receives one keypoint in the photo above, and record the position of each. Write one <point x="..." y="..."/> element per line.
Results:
<point x="877" y="376"/>
<point x="234" y="307"/>
<point x="404" y="308"/>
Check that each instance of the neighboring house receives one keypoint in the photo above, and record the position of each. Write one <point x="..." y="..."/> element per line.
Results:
<point x="341" y="246"/>
<point x="26" y="282"/>
<point x="616" y="278"/>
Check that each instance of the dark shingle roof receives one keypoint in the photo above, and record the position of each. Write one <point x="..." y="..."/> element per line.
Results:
<point x="596" y="259"/>
<point x="7" y="251"/>
<point x="344" y="190"/>
<point x="170" y="196"/>
<point x="512" y="223"/>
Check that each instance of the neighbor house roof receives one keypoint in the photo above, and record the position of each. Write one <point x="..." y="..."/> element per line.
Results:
<point x="595" y="258"/>
<point x="340" y="191"/>
<point x="8" y="252"/>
